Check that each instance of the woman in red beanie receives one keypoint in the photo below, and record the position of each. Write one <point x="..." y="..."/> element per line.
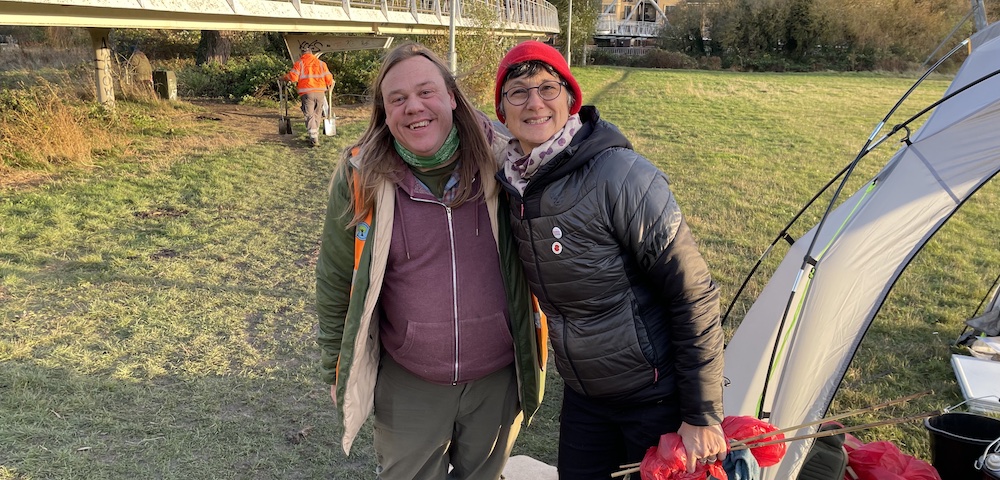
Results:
<point x="633" y="313"/>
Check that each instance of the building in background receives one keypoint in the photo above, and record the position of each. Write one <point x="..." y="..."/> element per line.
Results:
<point x="631" y="23"/>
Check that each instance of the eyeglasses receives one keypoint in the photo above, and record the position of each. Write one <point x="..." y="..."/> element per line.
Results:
<point x="548" y="90"/>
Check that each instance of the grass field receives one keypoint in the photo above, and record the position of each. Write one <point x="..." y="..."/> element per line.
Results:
<point x="157" y="320"/>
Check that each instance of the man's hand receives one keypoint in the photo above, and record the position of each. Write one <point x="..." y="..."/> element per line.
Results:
<point x="703" y="444"/>
<point x="333" y="394"/>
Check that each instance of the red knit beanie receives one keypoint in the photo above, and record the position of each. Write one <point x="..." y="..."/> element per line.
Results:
<point x="535" y="50"/>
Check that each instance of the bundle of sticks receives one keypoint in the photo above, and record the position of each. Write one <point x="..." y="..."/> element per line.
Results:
<point x="769" y="438"/>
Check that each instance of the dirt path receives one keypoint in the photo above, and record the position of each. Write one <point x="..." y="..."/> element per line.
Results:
<point x="254" y="124"/>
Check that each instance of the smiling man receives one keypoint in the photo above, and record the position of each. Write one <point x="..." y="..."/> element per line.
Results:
<point x="424" y="315"/>
<point x="418" y="106"/>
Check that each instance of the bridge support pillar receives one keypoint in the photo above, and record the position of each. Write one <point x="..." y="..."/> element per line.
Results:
<point x="102" y="66"/>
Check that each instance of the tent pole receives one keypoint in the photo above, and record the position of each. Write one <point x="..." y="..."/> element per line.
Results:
<point x="783" y="234"/>
<point x="980" y="11"/>
<point x="838" y="431"/>
<point x="979" y="22"/>
<point x="965" y="335"/>
<point x="957" y="26"/>
<point x="809" y="262"/>
<point x="870" y="408"/>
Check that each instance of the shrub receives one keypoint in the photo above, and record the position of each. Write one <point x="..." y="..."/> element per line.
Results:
<point x="605" y="57"/>
<point x="656" y="58"/>
<point x="354" y="73"/>
<point x="663" y="59"/>
<point x="156" y="44"/>
<point x="710" y="63"/>
<point x="770" y="63"/>
<point x="18" y="102"/>
<point x="41" y="130"/>
<point x="245" y="79"/>
<point x="895" y="64"/>
<point x="253" y="76"/>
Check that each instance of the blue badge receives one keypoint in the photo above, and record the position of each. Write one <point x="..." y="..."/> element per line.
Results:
<point x="362" y="230"/>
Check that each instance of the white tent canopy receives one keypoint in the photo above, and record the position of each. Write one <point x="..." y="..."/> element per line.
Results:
<point x="863" y="247"/>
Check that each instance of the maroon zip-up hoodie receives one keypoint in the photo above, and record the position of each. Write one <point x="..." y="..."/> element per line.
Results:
<point x="444" y="308"/>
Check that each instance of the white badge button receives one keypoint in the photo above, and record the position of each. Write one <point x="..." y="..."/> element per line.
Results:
<point x="556" y="248"/>
<point x="556" y="232"/>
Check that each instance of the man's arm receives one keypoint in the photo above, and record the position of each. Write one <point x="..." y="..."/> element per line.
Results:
<point x="334" y="273"/>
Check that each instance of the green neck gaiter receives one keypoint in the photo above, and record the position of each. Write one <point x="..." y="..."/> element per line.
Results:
<point x="448" y="149"/>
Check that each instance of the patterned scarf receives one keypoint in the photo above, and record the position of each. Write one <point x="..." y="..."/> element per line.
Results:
<point x="519" y="167"/>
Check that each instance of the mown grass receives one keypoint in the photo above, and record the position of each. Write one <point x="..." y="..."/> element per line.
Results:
<point x="156" y="318"/>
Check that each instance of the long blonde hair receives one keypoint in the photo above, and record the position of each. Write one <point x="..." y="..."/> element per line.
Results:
<point x="378" y="156"/>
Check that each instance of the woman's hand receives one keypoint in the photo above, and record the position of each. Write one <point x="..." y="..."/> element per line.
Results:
<point x="703" y="444"/>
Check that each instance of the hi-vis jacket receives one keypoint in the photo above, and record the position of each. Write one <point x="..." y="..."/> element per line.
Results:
<point x="347" y="303"/>
<point x="310" y="74"/>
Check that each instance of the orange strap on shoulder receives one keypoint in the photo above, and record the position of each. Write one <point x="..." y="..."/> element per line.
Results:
<point x="541" y="332"/>
<point x="360" y="234"/>
<point x="361" y="230"/>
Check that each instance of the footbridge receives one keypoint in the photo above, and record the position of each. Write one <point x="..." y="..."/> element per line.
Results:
<point x="379" y="17"/>
<point x="519" y="18"/>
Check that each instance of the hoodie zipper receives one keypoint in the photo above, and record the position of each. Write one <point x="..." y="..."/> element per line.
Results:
<point x="454" y="287"/>
<point x="454" y="278"/>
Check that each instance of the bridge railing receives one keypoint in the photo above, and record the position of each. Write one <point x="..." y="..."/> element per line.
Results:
<point x="608" y="25"/>
<point x="528" y="13"/>
<point x="516" y="17"/>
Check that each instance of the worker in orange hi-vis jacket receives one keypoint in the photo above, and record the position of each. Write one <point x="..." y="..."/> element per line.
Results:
<point x="312" y="78"/>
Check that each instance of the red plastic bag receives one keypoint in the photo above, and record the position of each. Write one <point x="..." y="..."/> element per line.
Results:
<point x="669" y="462"/>
<point x="741" y="427"/>
<point x="883" y="461"/>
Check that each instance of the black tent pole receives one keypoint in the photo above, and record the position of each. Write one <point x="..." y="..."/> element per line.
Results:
<point x="808" y="262"/>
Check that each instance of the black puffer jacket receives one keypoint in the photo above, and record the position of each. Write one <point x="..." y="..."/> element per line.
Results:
<point x="633" y="312"/>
